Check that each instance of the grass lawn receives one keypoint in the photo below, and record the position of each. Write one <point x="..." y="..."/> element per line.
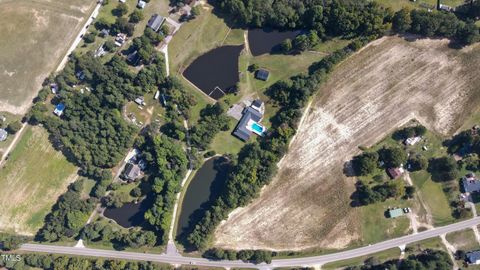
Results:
<point x="434" y="198"/>
<point x="385" y="255"/>
<point x="463" y="240"/>
<point x="399" y="4"/>
<point x="376" y="227"/>
<point x="225" y="143"/>
<point x="32" y="179"/>
<point x="432" y="243"/>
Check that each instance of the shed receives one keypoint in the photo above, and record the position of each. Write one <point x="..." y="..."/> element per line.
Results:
<point x="141" y="4"/>
<point x="3" y="134"/>
<point x="473" y="257"/>
<point x="155" y="22"/>
<point x="262" y="74"/>
<point x="394" y="173"/>
<point x="394" y="213"/>
<point x="59" y="109"/>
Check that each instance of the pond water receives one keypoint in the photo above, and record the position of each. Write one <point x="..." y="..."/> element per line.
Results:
<point x="129" y="215"/>
<point x="263" y="41"/>
<point x="215" y="72"/>
<point x="205" y="186"/>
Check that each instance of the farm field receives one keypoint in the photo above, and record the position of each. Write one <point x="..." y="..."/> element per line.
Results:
<point x="35" y="36"/>
<point x="369" y="95"/>
<point x="32" y="178"/>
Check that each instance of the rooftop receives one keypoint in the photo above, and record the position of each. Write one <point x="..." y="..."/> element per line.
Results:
<point x="3" y="134"/>
<point x="470" y="183"/>
<point x="241" y="130"/>
<point x="132" y="171"/>
<point x="262" y="74"/>
<point x="397" y="212"/>
<point x="473" y="257"/>
<point x="155" y="22"/>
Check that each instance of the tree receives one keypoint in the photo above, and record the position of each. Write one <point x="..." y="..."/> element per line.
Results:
<point x="14" y="127"/>
<point x="409" y="192"/>
<point x="136" y="16"/>
<point x="120" y="10"/>
<point x="301" y="43"/>
<point x="365" y="163"/>
<point x="393" y="157"/>
<point x="443" y="168"/>
<point x="253" y="67"/>
<point x="195" y="11"/>
<point x="109" y="45"/>
<point x="417" y="163"/>
<point x="401" y="21"/>
<point x="89" y="38"/>
<point x="286" y="46"/>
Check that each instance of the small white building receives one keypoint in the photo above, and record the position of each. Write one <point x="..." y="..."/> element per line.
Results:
<point x="3" y="135"/>
<point x="141" y="4"/>
<point x="140" y="101"/>
<point x="412" y="140"/>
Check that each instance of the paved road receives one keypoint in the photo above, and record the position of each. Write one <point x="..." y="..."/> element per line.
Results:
<point x="306" y="261"/>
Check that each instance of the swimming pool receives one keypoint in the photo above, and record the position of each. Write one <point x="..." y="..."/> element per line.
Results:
<point x="257" y="128"/>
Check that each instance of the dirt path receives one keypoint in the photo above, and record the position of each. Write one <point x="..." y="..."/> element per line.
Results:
<point x="12" y="144"/>
<point x="368" y="96"/>
<point x="451" y="251"/>
<point x="420" y="203"/>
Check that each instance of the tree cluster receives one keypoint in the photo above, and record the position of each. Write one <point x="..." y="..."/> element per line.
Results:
<point x="368" y="162"/>
<point x="443" y="168"/>
<point x="212" y="120"/>
<point x="409" y="132"/>
<point x="11" y="241"/>
<point x="55" y="262"/>
<point x="254" y="256"/>
<point x="366" y="195"/>
<point x="436" y="23"/>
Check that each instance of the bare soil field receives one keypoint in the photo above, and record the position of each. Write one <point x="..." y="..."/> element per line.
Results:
<point x="381" y="87"/>
<point x="35" y="36"/>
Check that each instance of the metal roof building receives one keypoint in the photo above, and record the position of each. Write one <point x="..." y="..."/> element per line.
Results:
<point x="262" y="74"/>
<point x="155" y="22"/>
<point x="3" y="134"/>
<point x="394" y="213"/>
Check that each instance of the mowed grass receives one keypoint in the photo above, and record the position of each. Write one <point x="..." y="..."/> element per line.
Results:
<point x="399" y="4"/>
<point x="386" y="255"/>
<point x="35" y="37"/>
<point x="463" y="240"/>
<point x="33" y="177"/>
<point x="434" y="197"/>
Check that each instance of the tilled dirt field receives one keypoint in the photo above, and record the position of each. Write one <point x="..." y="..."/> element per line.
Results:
<point x="378" y="89"/>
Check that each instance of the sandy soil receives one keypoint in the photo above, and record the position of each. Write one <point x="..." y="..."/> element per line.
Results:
<point x="35" y="36"/>
<point x="378" y="89"/>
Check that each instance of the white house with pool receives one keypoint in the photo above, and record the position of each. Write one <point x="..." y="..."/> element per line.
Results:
<point x="249" y="124"/>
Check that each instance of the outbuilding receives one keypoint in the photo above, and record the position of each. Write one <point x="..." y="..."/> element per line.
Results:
<point x="59" y="109"/>
<point x="3" y="134"/>
<point x="141" y="4"/>
<point x="473" y="257"/>
<point x="394" y="213"/>
<point x="262" y="74"/>
<point x="155" y="22"/>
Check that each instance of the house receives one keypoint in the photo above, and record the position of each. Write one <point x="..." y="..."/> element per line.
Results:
<point x="100" y="51"/>
<point x="412" y="140"/>
<point x="120" y="39"/>
<point x="141" y="4"/>
<point x="446" y="8"/>
<point x="131" y="172"/>
<point x="155" y="22"/>
<point x="59" y="109"/>
<point x="470" y="183"/>
<point x="140" y="101"/>
<point x="122" y="1"/>
<point x="133" y="58"/>
<point x="473" y="257"/>
<point x="54" y="88"/>
<point x="105" y="32"/>
<point x="262" y="74"/>
<point x="394" y="213"/>
<point x="394" y="173"/>
<point x="80" y="75"/>
<point x="249" y="124"/>
<point x="258" y="105"/>
<point x="3" y="134"/>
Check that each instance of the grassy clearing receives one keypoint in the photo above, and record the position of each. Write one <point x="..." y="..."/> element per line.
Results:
<point x="225" y="142"/>
<point x="376" y="227"/>
<point x="35" y="36"/>
<point x="463" y="240"/>
<point x="432" y="243"/>
<point x="399" y="4"/>
<point x="32" y="179"/>
<point x="389" y="254"/>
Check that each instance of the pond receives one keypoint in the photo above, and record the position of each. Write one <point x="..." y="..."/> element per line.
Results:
<point x="205" y="186"/>
<point x="263" y="41"/>
<point x="215" y="72"/>
<point x="129" y="215"/>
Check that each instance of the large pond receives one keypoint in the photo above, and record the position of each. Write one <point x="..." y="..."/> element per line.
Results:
<point x="263" y="41"/>
<point x="205" y="186"/>
<point x="129" y="215"/>
<point x="215" y="72"/>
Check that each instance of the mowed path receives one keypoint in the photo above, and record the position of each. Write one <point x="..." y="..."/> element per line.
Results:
<point x="370" y="94"/>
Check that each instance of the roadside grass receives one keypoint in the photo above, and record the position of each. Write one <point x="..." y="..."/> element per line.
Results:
<point x="376" y="227"/>
<point x="35" y="36"/>
<point x="32" y="178"/>
<point x="431" y="243"/>
<point x="9" y="118"/>
<point x="463" y="240"/>
<point x="386" y="255"/>
<point x="399" y="4"/>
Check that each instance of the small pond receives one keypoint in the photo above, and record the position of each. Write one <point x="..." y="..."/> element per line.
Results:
<point x="129" y="215"/>
<point x="263" y="41"/>
<point x="215" y="72"/>
<point x="205" y="186"/>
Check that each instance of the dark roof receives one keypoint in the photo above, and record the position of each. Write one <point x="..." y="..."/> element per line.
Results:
<point x="257" y="103"/>
<point x="132" y="171"/>
<point x="262" y="74"/>
<point x="241" y="130"/>
<point x="473" y="256"/>
<point x="155" y="22"/>
<point x="470" y="185"/>
<point x="60" y="107"/>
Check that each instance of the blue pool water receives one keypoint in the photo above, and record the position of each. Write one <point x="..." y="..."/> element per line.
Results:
<point x="257" y="128"/>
